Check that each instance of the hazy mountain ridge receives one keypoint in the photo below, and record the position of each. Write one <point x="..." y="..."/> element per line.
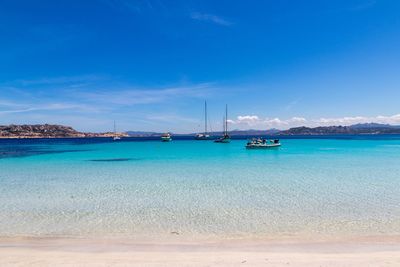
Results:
<point x="366" y="128"/>
<point x="235" y="132"/>
<point x="373" y="125"/>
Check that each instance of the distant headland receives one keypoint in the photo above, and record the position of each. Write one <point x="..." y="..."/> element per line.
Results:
<point x="61" y="131"/>
<point x="48" y="131"/>
<point x="364" y="128"/>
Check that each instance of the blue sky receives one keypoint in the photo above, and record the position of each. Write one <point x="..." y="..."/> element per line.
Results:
<point x="150" y="65"/>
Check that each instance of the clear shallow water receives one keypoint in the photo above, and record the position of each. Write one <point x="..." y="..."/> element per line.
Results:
<point x="84" y="188"/>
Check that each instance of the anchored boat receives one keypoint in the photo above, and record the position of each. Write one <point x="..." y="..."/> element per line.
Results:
<point x="115" y="137"/>
<point x="166" y="137"/>
<point x="205" y="135"/>
<point x="259" y="143"/>
<point x="225" y="138"/>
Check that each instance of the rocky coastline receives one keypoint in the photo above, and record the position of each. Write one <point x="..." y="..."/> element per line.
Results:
<point x="47" y="131"/>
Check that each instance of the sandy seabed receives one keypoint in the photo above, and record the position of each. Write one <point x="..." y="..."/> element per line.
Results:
<point x="373" y="251"/>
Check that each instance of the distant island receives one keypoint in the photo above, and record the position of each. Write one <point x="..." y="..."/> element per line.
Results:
<point x="61" y="131"/>
<point x="365" y="128"/>
<point x="48" y="131"/>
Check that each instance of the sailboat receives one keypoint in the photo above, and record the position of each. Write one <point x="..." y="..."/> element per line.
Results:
<point x="205" y="135"/>
<point x="225" y="138"/>
<point x="115" y="137"/>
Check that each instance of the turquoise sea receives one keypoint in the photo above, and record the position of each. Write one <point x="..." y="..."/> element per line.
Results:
<point x="198" y="189"/>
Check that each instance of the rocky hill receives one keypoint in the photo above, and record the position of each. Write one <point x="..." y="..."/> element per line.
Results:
<point x="372" y="128"/>
<point x="47" y="131"/>
<point x="38" y="131"/>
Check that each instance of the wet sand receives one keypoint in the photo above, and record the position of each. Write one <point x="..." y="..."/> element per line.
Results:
<point x="374" y="251"/>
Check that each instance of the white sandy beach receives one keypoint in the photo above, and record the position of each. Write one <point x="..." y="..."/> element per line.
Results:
<point x="102" y="252"/>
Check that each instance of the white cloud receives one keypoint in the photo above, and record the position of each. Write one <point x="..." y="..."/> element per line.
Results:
<point x="299" y="119"/>
<point x="211" y="18"/>
<point x="285" y="123"/>
<point x="345" y="121"/>
<point x="254" y="121"/>
<point x="249" y="119"/>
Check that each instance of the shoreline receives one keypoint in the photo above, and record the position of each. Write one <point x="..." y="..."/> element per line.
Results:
<point x="236" y="137"/>
<point x="49" y="251"/>
<point x="54" y="137"/>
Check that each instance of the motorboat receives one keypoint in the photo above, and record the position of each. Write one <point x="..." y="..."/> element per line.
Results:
<point x="166" y="137"/>
<point x="260" y="143"/>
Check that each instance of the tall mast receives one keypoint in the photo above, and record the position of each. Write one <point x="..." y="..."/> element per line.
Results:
<point x="223" y="125"/>
<point x="115" y="130"/>
<point x="205" y="117"/>
<point x="226" y="120"/>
